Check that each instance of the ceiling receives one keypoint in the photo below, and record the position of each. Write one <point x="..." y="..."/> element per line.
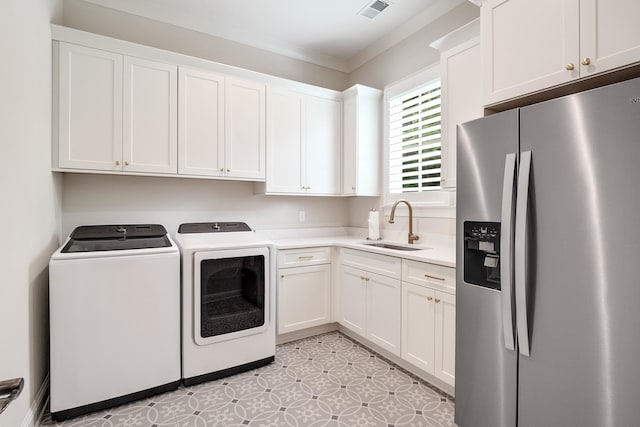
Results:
<point x="331" y="33"/>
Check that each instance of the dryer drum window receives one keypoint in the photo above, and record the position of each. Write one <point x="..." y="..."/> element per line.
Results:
<point x="232" y="294"/>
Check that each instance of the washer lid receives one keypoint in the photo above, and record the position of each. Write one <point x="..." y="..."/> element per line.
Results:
<point x="94" y="238"/>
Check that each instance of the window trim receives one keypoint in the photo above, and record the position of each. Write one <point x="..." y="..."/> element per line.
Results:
<point x="437" y="204"/>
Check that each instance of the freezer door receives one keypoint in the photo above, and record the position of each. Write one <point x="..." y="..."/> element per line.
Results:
<point x="486" y="371"/>
<point x="583" y="269"/>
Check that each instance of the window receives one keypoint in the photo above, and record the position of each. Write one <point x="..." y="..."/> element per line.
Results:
<point x="413" y="142"/>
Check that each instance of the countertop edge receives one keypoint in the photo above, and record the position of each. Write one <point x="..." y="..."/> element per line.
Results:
<point x="432" y="254"/>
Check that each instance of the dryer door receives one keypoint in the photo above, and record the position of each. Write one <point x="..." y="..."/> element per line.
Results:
<point x="231" y="294"/>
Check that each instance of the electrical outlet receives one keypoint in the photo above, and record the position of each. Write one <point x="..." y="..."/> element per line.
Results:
<point x="301" y="216"/>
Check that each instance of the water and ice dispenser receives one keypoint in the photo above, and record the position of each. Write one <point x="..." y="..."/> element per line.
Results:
<point x="482" y="254"/>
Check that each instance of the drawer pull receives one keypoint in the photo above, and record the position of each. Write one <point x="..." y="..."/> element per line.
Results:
<point x="305" y="258"/>
<point x="442" y="279"/>
<point x="363" y="278"/>
<point x="437" y="300"/>
<point x="429" y="298"/>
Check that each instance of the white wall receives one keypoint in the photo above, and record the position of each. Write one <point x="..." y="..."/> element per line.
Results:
<point x="30" y="196"/>
<point x="108" y="22"/>
<point x="104" y="199"/>
<point x="413" y="53"/>
<point x="407" y="57"/>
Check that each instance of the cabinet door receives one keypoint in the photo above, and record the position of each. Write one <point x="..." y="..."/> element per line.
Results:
<point x="201" y="123"/>
<point x="461" y="100"/>
<point x="90" y="108"/>
<point x="609" y="35"/>
<point x="383" y="311"/>
<point x="361" y="140"/>
<point x="150" y="140"/>
<point x="445" y="337"/>
<point x="527" y="45"/>
<point x="304" y="297"/>
<point x="418" y="327"/>
<point x="244" y="129"/>
<point x="322" y="146"/>
<point x="352" y="299"/>
<point x="350" y="130"/>
<point x="285" y="114"/>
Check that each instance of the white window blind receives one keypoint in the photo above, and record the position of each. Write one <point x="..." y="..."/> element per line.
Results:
<point x="415" y="140"/>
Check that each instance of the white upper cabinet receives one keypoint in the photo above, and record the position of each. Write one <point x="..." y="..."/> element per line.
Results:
<point x="285" y="112"/>
<point x="529" y="46"/>
<point x="150" y="140"/>
<point x="362" y="141"/>
<point x="462" y="96"/>
<point x="609" y="34"/>
<point x="201" y="123"/>
<point x="115" y="113"/>
<point x="322" y="145"/>
<point x="222" y="126"/>
<point x="244" y="129"/>
<point x="303" y="143"/>
<point x="89" y="108"/>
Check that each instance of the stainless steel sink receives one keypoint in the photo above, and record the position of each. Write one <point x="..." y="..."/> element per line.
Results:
<point x="392" y="246"/>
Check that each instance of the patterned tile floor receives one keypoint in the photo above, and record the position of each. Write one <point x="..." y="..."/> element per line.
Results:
<point x="326" y="380"/>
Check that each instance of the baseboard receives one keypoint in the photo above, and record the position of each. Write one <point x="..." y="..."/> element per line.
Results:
<point x="34" y="415"/>
<point x="306" y="333"/>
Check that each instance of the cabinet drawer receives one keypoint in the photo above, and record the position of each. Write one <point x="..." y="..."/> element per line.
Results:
<point x="301" y="257"/>
<point x="431" y="275"/>
<point x="381" y="264"/>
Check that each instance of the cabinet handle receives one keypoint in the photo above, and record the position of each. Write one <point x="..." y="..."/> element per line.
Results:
<point x="442" y="180"/>
<point x="126" y="163"/>
<point x="437" y="300"/>
<point x="366" y="278"/>
<point x="117" y="162"/>
<point x="305" y="258"/>
<point x="570" y="67"/>
<point x="586" y="61"/>
<point x="353" y="188"/>
<point x="429" y="298"/>
<point x="282" y="276"/>
<point x="228" y="170"/>
<point x="363" y="278"/>
<point x="221" y="169"/>
<point x="442" y="279"/>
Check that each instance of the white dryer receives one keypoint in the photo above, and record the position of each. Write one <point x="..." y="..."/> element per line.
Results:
<point x="228" y="300"/>
<point x="114" y="317"/>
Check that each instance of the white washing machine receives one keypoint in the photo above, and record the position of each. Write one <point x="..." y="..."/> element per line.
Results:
<point x="114" y="302"/>
<point x="228" y="300"/>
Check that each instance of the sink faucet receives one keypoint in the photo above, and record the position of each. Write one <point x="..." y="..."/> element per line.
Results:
<point x="412" y="237"/>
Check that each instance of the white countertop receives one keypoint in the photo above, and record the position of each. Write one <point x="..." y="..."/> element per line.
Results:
<point x="437" y="249"/>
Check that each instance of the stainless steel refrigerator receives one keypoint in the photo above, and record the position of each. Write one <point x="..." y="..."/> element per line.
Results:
<point x="548" y="264"/>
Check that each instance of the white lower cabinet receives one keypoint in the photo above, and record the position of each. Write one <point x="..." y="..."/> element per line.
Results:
<point x="353" y="300"/>
<point x="370" y="302"/>
<point x="383" y="311"/>
<point x="429" y="326"/>
<point x="304" y="289"/>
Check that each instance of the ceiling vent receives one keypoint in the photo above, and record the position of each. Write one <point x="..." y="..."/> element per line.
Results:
<point x="373" y="9"/>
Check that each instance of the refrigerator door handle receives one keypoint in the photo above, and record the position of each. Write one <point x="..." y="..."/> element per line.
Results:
<point x="521" y="253"/>
<point x="506" y="250"/>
